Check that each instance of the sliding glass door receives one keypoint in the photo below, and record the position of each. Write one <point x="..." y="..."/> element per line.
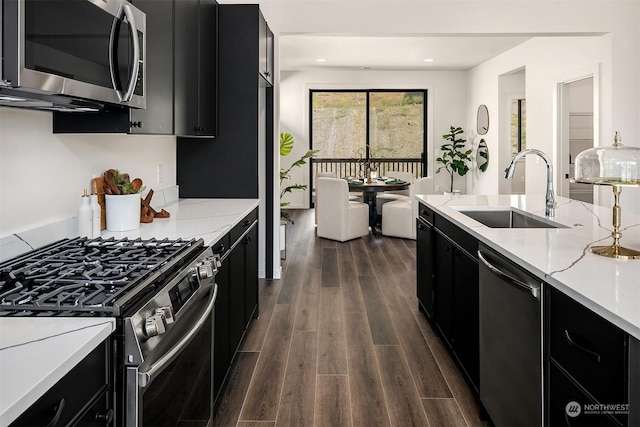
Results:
<point x="385" y="127"/>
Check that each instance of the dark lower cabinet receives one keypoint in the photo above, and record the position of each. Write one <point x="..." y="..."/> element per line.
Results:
<point x="444" y="287"/>
<point x="251" y="274"/>
<point x="425" y="273"/>
<point x="591" y="362"/>
<point x="465" y="322"/>
<point x="237" y="302"/>
<point x="456" y="304"/>
<point x="222" y="351"/>
<point x="237" y="296"/>
<point x="569" y="406"/>
<point x="447" y="287"/>
<point x="80" y="398"/>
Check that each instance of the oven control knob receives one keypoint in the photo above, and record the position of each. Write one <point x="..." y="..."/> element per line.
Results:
<point x="166" y="312"/>
<point x="203" y="270"/>
<point x="155" y="325"/>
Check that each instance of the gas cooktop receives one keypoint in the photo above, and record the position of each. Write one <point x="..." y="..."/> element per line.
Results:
<point x="89" y="276"/>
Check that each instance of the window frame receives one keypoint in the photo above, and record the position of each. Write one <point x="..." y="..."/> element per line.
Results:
<point x="425" y="93"/>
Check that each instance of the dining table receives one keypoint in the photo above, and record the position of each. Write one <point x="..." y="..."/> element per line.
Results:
<point x="370" y="189"/>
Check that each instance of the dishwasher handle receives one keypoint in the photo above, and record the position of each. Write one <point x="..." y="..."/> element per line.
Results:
<point x="533" y="289"/>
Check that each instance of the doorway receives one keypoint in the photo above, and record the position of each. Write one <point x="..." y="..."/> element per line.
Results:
<point x="512" y="128"/>
<point x="576" y="134"/>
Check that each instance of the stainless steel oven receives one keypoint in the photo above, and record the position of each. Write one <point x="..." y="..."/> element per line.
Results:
<point x="168" y="352"/>
<point x="161" y="292"/>
<point x="73" y="49"/>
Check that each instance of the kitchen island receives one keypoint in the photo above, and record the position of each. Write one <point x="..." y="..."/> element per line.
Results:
<point x="502" y="283"/>
<point x="55" y="345"/>
<point x="560" y="256"/>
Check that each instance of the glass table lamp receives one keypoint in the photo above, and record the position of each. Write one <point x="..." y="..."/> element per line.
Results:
<point x="618" y="166"/>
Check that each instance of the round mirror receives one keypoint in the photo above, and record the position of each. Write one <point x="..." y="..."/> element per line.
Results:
<point x="483" y="120"/>
<point x="482" y="156"/>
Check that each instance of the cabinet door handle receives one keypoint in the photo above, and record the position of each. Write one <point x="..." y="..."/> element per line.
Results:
<point x="422" y="227"/>
<point x="58" y="409"/>
<point x="582" y="347"/>
<point x="246" y="223"/>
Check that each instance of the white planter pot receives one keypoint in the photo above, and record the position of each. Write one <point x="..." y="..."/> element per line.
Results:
<point x="122" y="211"/>
<point x="283" y="239"/>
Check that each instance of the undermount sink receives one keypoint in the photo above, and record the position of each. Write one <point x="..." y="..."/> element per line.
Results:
<point x="507" y="218"/>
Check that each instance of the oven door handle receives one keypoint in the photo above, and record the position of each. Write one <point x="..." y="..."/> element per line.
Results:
<point x="144" y="378"/>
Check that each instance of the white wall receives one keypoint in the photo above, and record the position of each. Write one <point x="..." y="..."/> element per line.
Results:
<point x="42" y="175"/>
<point x="445" y="107"/>
<point x="549" y="62"/>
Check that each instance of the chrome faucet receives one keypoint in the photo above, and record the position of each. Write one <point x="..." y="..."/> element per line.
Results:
<point x="550" y="200"/>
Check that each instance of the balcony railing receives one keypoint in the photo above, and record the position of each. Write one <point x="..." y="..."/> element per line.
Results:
<point x="355" y="167"/>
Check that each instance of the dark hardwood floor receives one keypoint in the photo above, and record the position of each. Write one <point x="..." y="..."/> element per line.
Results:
<point x="340" y="342"/>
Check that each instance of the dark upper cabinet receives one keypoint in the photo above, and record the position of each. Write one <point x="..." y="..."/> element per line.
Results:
<point x="195" y="80"/>
<point x="181" y="76"/>
<point x="228" y="167"/>
<point x="265" y="43"/>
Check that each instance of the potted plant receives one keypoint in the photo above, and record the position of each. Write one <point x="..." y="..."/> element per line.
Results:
<point x="122" y="200"/>
<point x="454" y="158"/>
<point x="286" y="145"/>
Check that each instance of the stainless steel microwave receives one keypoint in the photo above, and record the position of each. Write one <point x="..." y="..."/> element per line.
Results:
<point x="81" y="51"/>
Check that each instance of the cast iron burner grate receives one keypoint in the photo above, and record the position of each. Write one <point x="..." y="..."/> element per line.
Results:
<point x="88" y="275"/>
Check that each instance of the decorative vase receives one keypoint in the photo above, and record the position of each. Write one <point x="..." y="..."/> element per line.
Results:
<point x="123" y="212"/>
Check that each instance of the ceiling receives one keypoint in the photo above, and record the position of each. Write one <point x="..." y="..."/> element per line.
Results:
<point x="402" y="52"/>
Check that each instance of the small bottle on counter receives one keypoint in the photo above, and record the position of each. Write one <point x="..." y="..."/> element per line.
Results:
<point x="85" y="217"/>
<point x="96" y="216"/>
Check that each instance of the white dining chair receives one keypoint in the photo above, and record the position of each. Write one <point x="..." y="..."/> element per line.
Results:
<point x="339" y="218"/>
<point x="352" y="197"/>
<point x="399" y="216"/>
<point x="390" y="196"/>
<point x="315" y="198"/>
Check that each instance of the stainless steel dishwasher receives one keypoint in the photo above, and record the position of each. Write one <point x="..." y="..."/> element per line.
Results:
<point x="510" y="342"/>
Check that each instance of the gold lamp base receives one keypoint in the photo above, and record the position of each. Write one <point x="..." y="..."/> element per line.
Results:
<point x="615" y="251"/>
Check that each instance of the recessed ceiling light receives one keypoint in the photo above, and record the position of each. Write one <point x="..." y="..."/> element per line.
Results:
<point x="321" y="60"/>
<point x="429" y="60"/>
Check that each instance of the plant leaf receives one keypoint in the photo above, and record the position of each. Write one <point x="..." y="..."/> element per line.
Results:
<point x="286" y="143"/>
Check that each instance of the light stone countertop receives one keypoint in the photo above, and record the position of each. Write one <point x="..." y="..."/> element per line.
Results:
<point x="208" y="219"/>
<point x="36" y="352"/>
<point x="560" y="256"/>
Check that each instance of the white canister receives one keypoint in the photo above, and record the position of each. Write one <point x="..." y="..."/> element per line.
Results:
<point x="97" y="216"/>
<point x="123" y="212"/>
